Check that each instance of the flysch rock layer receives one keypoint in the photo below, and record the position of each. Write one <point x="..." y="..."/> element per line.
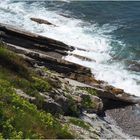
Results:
<point x="50" y="53"/>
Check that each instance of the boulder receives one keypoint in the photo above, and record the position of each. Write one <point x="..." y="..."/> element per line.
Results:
<point x="42" y="21"/>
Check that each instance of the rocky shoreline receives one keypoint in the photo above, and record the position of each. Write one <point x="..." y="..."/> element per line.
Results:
<point x="76" y="89"/>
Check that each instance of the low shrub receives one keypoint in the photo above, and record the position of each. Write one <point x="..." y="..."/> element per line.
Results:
<point x="89" y="90"/>
<point x="20" y="119"/>
<point x="79" y="123"/>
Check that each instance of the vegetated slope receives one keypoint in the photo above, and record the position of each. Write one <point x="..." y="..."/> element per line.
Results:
<point x="19" y="118"/>
<point x="38" y="103"/>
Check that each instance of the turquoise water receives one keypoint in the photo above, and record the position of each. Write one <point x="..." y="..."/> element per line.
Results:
<point x="108" y="31"/>
<point x="125" y="16"/>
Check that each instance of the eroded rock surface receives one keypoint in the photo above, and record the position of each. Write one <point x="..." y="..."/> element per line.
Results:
<point x="50" y="53"/>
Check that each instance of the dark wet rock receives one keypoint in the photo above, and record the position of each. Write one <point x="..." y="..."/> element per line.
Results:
<point x="42" y="21"/>
<point x="133" y="65"/>
<point x="29" y="40"/>
<point x="83" y="58"/>
<point x="64" y="15"/>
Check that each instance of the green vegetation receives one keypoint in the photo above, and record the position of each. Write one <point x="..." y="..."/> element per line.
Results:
<point x="31" y="87"/>
<point x="41" y="85"/>
<point x="14" y="63"/>
<point x="15" y="70"/>
<point x="87" y="103"/>
<point x="20" y="119"/>
<point x="89" y="90"/>
<point x="79" y="123"/>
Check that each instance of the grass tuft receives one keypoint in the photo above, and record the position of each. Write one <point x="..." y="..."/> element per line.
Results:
<point x="79" y="123"/>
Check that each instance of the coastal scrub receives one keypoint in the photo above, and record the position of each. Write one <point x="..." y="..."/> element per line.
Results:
<point x="20" y="119"/>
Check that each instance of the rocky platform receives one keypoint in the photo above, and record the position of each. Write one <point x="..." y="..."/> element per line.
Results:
<point x="51" y="53"/>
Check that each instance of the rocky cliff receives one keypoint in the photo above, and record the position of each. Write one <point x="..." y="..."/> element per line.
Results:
<point x="70" y="89"/>
<point x="50" y="53"/>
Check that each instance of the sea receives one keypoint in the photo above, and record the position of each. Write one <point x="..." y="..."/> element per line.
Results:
<point x="108" y="32"/>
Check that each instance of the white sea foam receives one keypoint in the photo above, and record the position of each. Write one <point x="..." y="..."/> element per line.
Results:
<point x="74" y="32"/>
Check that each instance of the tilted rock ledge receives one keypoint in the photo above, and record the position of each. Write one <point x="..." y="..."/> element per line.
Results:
<point x="75" y="94"/>
<point x="50" y="53"/>
<point x="41" y="21"/>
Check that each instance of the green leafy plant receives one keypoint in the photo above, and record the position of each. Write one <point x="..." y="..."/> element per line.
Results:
<point x="79" y="123"/>
<point x="21" y="119"/>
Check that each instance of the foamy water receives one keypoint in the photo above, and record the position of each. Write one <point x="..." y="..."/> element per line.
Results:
<point x="75" y="32"/>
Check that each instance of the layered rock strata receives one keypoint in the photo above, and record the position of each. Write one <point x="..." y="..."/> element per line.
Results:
<point x="50" y="53"/>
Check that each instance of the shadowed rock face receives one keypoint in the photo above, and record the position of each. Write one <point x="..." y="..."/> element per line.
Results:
<point x="48" y="52"/>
